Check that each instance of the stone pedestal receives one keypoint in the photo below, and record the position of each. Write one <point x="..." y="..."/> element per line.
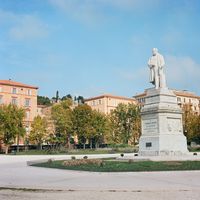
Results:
<point x="162" y="129"/>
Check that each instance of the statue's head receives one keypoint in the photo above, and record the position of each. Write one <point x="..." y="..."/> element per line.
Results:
<point x="154" y="51"/>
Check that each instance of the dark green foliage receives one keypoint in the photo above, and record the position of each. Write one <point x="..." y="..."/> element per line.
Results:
<point x="69" y="96"/>
<point x="42" y="100"/>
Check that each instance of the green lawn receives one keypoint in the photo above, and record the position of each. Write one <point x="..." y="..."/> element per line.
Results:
<point x="119" y="166"/>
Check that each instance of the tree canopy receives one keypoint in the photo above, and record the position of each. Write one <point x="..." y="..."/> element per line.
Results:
<point x="11" y="124"/>
<point x="125" y="124"/>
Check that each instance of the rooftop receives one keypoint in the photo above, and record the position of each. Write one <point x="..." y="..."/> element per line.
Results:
<point x="17" y="84"/>
<point x="183" y="93"/>
<point x="109" y="96"/>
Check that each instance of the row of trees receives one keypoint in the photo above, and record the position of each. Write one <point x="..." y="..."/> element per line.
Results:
<point x="82" y="124"/>
<point x="121" y="126"/>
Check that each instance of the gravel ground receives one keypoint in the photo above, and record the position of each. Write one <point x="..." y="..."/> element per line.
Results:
<point x="42" y="183"/>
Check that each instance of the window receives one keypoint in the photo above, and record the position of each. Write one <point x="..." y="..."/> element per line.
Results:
<point x="29" y="92"/>
<point x="1" y="99"/>
<point x="27" y="102"/>
<point x="93" y="103"/>
<point x="14" y="90"/>
<point x="184" y="100"/>
<point x="100" y="101"/>
<point x="14" y="101"/>
<point x="0" y="89"/>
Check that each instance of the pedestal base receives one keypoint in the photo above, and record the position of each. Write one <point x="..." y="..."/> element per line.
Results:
<point x="163" y="145"/>
<point x="162" y="129"/>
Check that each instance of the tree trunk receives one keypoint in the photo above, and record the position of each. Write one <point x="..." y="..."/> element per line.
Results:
<point x="17" y="142"/>
<point x="91" y="144"/>
<point x="68" y="142"/>
<point x="84" y="145"/>
<point x="6" y="149"/>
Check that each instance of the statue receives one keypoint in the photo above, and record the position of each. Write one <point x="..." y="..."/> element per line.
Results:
<point x="156" y="64"/>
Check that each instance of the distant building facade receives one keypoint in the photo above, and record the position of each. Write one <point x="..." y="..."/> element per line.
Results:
<point x="21" y="95"/>
<point x="106" y="103"/>
<point x="183" y="98"/>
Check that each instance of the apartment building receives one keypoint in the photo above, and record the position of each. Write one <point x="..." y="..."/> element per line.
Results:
<point x="106" y="103"/>
<point x="22" y="95"/>
<point x="183" y="98"/>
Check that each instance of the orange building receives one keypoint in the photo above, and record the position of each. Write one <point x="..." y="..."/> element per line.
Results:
<point x="22" y="95"/>
<point x="106" y="103"/>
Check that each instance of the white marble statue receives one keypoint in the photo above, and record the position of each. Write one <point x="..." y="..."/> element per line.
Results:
<point x="156" y="64"/>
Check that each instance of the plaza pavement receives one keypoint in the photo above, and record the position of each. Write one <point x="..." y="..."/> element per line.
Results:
<point x="43" y="183"/>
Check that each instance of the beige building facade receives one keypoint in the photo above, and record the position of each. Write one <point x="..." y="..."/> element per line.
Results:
<point x="106" y="103"/>
<point x="21" y="95"/>
<point x="183" y="98"/>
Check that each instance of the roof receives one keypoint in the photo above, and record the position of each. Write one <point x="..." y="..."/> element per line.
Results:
<point x="185" y="94"/>
<point x="17" y="84"/>
<point x="182" y="93"/>
<point x="109" y="96"/>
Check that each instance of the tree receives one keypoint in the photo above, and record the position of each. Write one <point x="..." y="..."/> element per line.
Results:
<point x="57" y="96"/>
<point x="42" y="100"/>
<point x="191" y="124"/>
<point x="38" y="131"/>
<point x="69" y="96"/>
<point x="62" y="116"/>
<point x="125" y="124"/>
<point x="80" y="99"/>
<point x="99" y="127"/>
<point x="11" y="124"/>
<point x="82" y="122"/>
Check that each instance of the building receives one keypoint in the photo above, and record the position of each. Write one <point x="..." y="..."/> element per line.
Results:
<point x="183" y="98"/>
<point x="106" y="103"/>
<point x="22" y="95"/>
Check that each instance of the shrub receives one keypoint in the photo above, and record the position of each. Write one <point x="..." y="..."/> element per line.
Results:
<point x="85" y="157"/>
<point x="83" y="162"/>
<point x="73" y="158"/>
<point x="194" y="154"/>
<point x="122" y="155"/>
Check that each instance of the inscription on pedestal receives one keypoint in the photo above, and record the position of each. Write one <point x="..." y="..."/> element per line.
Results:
<point x="149" y="126"/>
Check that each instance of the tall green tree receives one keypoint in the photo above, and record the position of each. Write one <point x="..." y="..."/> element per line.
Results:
<point x="11" y="124"/>
<point x="38" y="131"/>
<point x="57" y="96"/>
<point x="62" y="116"/>
<point x="82" y="123"/>
<point x="99" y="127"/>
<point x="125" y="124"/>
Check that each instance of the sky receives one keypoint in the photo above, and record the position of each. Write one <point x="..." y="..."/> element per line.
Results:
<point x="93" y="47"/>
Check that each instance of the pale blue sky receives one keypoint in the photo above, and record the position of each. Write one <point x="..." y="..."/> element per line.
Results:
<point x="90" y="47"/>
